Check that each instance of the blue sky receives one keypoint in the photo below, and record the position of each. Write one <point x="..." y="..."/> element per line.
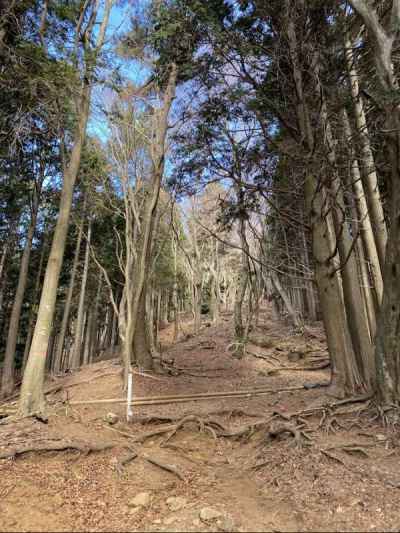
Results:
<point x="130" y="70"/>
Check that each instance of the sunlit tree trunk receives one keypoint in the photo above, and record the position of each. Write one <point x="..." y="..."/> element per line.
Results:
<point x="32" y="400"/>
<point x="367" y="159"/>
<point x="68" y="300"/>
<point x="387" y="352"/>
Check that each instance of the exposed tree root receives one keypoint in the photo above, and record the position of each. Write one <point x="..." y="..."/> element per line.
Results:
<point x="181" y="423"/>
<point x="165" y="466"/>
<point x="236" y="349"/>
<point x="49" y="446"/>
<point x="134" y="454"/>
<point x="350" y="448"/>
<point x="52" y="389"/>
<point x="265" y="357"/>
<point x="276" y="430"/>
<point x="154" y="433"/>
<point x="131" y="456"/>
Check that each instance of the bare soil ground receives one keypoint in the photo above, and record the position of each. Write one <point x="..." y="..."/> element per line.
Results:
<point x="302" y="464"/>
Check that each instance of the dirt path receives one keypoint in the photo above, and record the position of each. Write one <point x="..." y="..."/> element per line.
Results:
<point x="256" y="483"/>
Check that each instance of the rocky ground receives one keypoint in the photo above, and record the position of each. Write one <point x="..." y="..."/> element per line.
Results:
<point x="291" y="459"/>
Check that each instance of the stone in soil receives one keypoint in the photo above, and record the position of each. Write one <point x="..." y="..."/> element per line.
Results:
<point x="175" y="503"/>
<point x="140" y="500"/>
<point x="111" y="418"/>
<point x="208" y="513"/>
<point x="226" y="523"/>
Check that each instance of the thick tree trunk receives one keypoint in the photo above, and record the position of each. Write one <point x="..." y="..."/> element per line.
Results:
<point x="387" y="351"/>
<point x="32" y="399"/>
<point x="353" y="297"/>
<point x="345" y="377"/>
<point x="141" y="345"/>
<point x="32" y="311"/>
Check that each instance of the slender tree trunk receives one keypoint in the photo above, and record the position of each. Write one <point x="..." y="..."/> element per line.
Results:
<point x="367" y="159"/>
<point x="242" y="283"/>
<point x="7" y="381"/>
<point x="68" y="301"/>
<point x="94" y="344"/>
<point x="310" y="295"/>
<point x="7" y="250"/>
<point x="370" y="304"/>
<point x="77" y="351"/>
<point x="174" y="245"/>
<point x="88" y="336"/>
<point x="365" y="226"/>
<point x="288" y="305"/>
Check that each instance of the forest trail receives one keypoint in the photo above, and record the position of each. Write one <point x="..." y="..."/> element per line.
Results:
<point x="341" y="474"/>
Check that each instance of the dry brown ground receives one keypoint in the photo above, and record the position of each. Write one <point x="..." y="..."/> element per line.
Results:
<point x="343" y="474"/>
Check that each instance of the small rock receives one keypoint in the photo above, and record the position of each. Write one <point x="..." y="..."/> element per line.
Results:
<point x="380" y="437"/>
<point x="111" y="418"/>
<point x="226" y="523"/>
<point x="208" y="513"/>
<point x="169" y="520"/>
<point x="140" y="500"/>
<point x="294" y="356"/>
<point x="134" y="510"/>
<point x="157" y="521"/>
<point x="196" y="522"/>
<point x="175" y="503"/>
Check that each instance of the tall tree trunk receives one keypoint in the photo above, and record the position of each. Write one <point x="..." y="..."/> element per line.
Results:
<point x="7" y="381"/>
<point x="387" y="351"/>
<point x="32" y="311"/>
<point x="87" y="345"/>
<point x="345" y="376"/>
<point x="352" y="291"/>
<point x="141" y="268"/>
<point x="32" y="400"/>
<point x="77" y="351"/>
<point x="310" y="295"/>
<point x="367" y="159"/>
<point x="68" y="300"/>
<point x="294" y="316"/>
<point x="174" y="246"/>
<point x="141" y="344"/>
<point x="242" y="283"/>
<point x="364" y="225"/>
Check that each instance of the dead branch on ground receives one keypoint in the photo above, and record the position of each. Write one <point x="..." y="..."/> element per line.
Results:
<point x="55" y="445"/>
